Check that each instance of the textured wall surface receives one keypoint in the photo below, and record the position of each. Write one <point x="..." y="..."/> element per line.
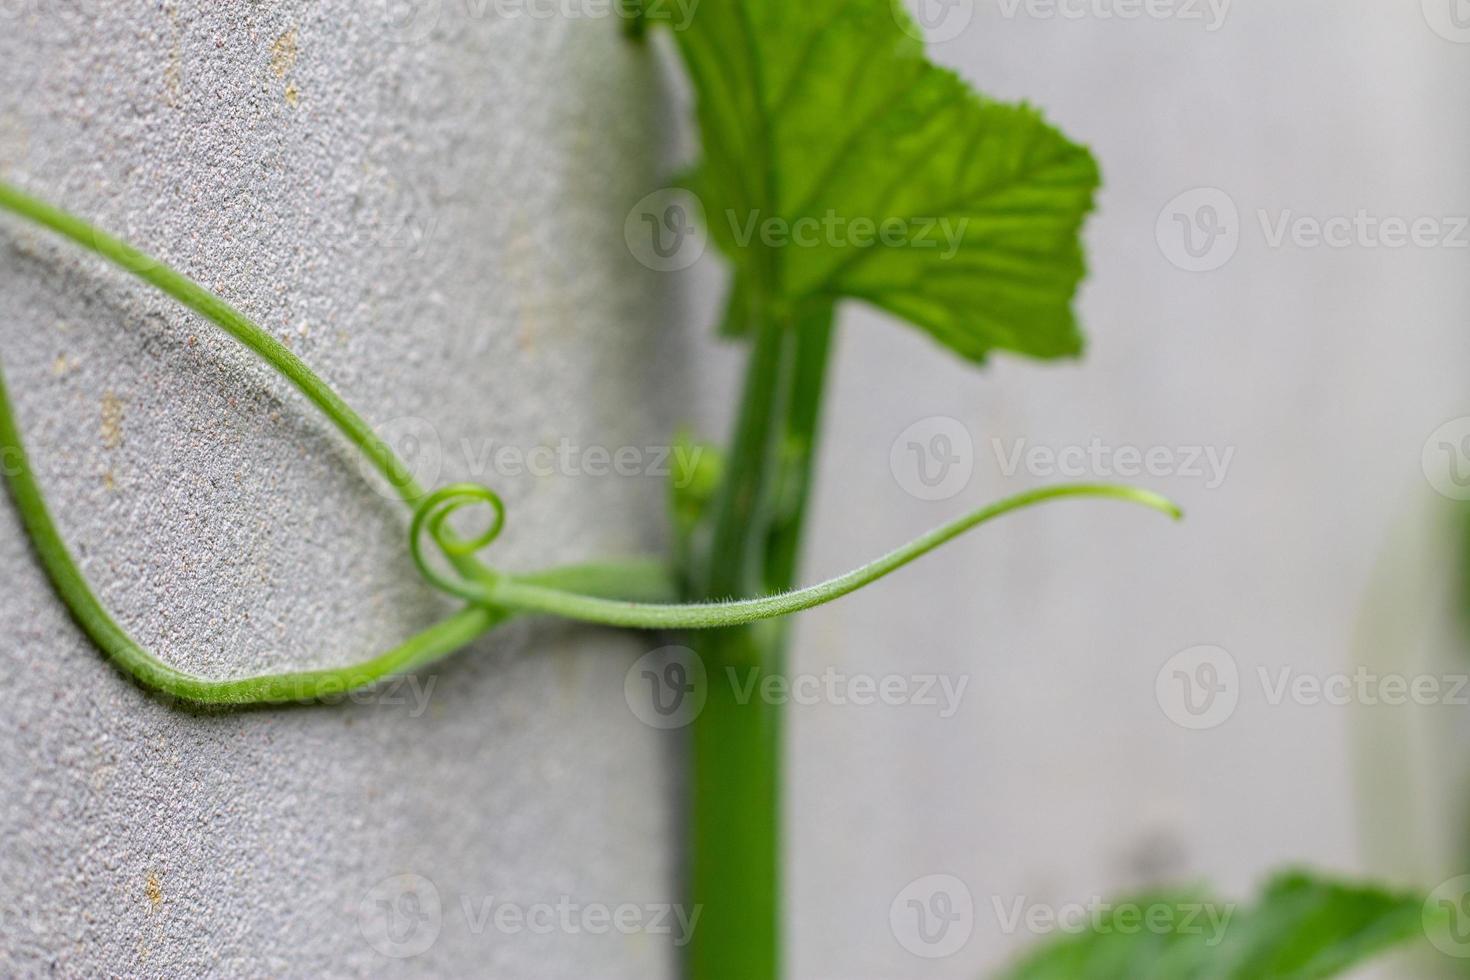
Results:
<point x="429" y="210"/>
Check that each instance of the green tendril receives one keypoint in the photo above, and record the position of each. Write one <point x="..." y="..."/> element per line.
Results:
<point x="71" y="585"/>
<point x="432" y="513"/>
<point x="636" y="593"/>
<point x="509" y="592"/>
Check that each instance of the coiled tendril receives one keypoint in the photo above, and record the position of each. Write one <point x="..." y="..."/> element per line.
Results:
<point x="628" y="593"/>
<point x="430" y="520"/>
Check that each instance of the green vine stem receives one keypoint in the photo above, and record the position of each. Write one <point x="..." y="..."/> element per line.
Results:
<point x="632" y="593"/>
<point x="529" y="595"/>
<point x="735" y="807"/>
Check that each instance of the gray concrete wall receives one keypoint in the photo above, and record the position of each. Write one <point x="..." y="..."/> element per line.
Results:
<point x="429" y="210"/>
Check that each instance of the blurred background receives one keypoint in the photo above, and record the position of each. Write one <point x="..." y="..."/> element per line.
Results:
<point x="430" y="208"/>
<point x="1314" y="374"/>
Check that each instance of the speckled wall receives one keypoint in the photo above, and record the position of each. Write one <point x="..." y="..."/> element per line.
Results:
<point x="426" y="203"/>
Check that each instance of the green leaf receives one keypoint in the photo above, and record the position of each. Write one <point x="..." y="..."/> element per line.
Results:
<point x="1304" y="927"/>
<point x="839" y="162"/>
